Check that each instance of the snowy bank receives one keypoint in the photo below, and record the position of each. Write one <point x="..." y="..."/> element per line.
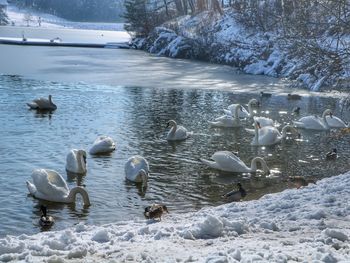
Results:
<point x="309" y="224"/>
<point x="221" y="39"/>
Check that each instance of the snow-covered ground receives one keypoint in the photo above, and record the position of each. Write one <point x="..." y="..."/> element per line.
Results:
<point x="310" y="224"/>
<point x="19" y="17"/>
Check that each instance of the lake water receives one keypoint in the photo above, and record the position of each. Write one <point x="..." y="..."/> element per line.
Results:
<point x="130" y="95"/>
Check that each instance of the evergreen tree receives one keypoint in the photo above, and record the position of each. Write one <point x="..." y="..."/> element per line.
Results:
<point x="3" y="17"/>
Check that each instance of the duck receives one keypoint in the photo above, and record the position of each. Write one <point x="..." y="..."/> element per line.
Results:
<point x="296" y="110"/>
<point x="137" y="170"/>
<point x="45" y="220"/>
<point x="227" y="120"/>
<point x="332" y="155"/>
<point x="294" y="97"/>
<point x="265" y="94"/>
<point x="269" y="135"/>
<point x="42" y="104"/>
<point x="102" y="145"/>
<point x="76" y="161"/>
<point x="243" y="113"/>
<point x="155" y="211"/>
<point x="177" y="132"/>
<point x="335" y="122"/>
<point x="235" y="195"/>
<point x="229" y="162"/>
<point x="49" y="185"/>
<point x="300" y="181"/>
<point x="314" y="122"/>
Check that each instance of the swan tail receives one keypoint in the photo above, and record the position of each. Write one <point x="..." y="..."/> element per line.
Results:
<point x="250" y="131"/>
<point x="32" y="105"/>
<point x="228" y="112"/>
<point x="31" y="188"/>
<point x="216" y="123"/>
<point x="209" y="163"/>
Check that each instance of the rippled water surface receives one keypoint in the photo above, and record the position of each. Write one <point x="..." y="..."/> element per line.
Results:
<point x="136" y="118"/>
<point x="133" y="107"/>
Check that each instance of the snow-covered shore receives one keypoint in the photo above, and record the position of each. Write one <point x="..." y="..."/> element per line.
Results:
<point x="310" y="224"/>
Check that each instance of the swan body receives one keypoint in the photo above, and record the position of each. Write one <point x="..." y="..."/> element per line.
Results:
<point x="50" y="185"/>
<point x="102" y="145"/>
<point x="235" y="195"/>
<point x="137" y="169"/>
<point x="227" y="120"/>
<point x="314" y="122"/>
<point x="42" y="104"/>
<point x="243" y="113"/>
<point x="177" y="132"/>
<point x="263" y="121"/>
<point x="76" y="161"/>
<point x="227" y="161"/>
<point x="270" y="135"/>
<point x="335" y="122"/>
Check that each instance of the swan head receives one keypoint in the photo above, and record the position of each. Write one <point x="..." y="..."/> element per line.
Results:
<point x="254" y="102"/>
<point x="257" y="125"/>
<point x="171" y="123"/>
<point x="327" y="112"/>
<point x="83" y="155"/>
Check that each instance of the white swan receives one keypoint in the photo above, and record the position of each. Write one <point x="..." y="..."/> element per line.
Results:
<point x="227" y="120"/>
<point x="335" y="122"/>
<point x="42" y="104"/>
<point x="177" y="132"/>
<point x="314" y="122"/>
<point x="137" y="169"/>
<point x="50" y="185"/>
<point x="270" y="135"/>
<point x="76" y="161"/>
<point x="243" y="113"/>
<point x="263" y="121"/>
<point x="227" y="161"/>
<point x="103" y="144"/>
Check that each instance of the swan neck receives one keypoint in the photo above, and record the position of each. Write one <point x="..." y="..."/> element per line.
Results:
<point x="78" y="190"/>
<point x="237" y="109"/>
<point x="284" y="130"/>
<point x="253" y="166"/>
<point x="250" y="110"/>
<point x="262" y="163"/>
<point x="81" y="162"/>
<point x="324" y="115"/>
<point x="144" y="179"/>
<point x="256" y="128"/>
<point x="174" y="127"/>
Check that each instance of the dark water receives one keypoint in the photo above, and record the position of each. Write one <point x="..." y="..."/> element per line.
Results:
<point x="136" y="118"/>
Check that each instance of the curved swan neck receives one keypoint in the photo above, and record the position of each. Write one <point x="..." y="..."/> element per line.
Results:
<point x="325" y="113"/>
<point x="256" y="128"/>
<point x="79" y="190"/>
<point x="81" y="161"/>
<point x="50" y="99"/>
<point x="237" y="109"/>
<point x="262" y="162"/>
<point x="144" y="178"/>
<point x="250" y="110"/>
<point x="174" y="126"/>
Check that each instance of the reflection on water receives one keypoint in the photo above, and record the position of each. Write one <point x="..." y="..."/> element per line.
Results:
<point x="136" y="119"/>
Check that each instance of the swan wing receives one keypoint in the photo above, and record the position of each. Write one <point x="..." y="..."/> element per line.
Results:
<point x="250" y="131"/>
<point x="181" y="133"/>
<point x="269" y="136"/>
<point x="50" y="183"/>
<point x="311" y="122"/>
<point x="133" y="166"/>
<point x="225" y="121"/>
<point x="242" y="113"/>
<point x="264" y="121"/>
<point x="227" y="161"/>
<point x="102" y="144"/>
<point x="335" y="122"/>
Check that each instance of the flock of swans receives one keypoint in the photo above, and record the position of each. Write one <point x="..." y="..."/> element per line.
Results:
<point x="50" y="185"/>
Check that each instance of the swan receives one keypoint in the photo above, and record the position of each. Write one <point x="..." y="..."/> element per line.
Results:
<point x="137" y="170"/>
<point x="50" y="185"/>
<point x="227" y="120"/>
<point x="227" y="161"/>
<point x="270" y="135"/>
<point x="177" y="132"/>
<point x="103" y="144"/>
<point x="314" y="122"/>
<point x="76" y="161"/>
<point x="335" y="122"/>
<point x="235" y="195"/>
<point x="243" y="112"/>
<point x="42" y="104"/>
<point x="45" y="220"/>
<point x="263" y="121"/>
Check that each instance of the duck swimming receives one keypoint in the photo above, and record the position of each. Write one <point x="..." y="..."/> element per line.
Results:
<point x="45" y="220"/>
<point x="300" y="181"/>
<point x="332" y="155"/>
<point x="265" y="94"/>
<point x="293" y="97"/>
<point x="235" y="195"/>
<point x="155" y="211"/>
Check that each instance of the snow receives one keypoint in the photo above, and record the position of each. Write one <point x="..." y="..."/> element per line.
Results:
<point x="306" y="224"/>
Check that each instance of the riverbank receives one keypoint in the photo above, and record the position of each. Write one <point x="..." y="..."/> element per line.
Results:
<point x="220" y="39"/>
<point x="307" y="224"/>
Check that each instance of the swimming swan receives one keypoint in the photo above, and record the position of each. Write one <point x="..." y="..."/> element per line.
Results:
<point x="335" y="122"/>
<point x="103" y="144"/>
<point x="314" y="122"/>
<point x="227" y="161"/>
<point x="49" y="185"/>
<point x="177" y="132"/>
<point x="263" y="121"/>
<point x="42" y="104"/>
<point x="227" y="120"/>
<point x="243" y="113"/>
<point x="137" y="170"/>
<point x="270" y="135"/>
<point x="76" y="161"/>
